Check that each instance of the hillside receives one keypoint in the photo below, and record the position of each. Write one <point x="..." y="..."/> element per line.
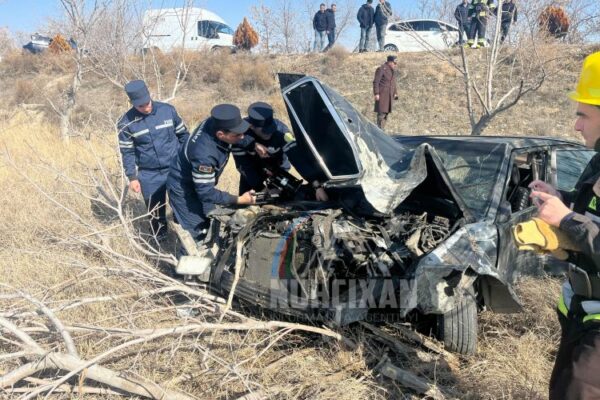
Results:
<point x="68" y="240"/>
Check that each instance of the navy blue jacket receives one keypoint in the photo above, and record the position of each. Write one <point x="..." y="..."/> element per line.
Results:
<point x="509" y="13"/>
<point x="196" y="169"/>
<point x="285" y="152"/>
<point x="250" y="164"/>
<point x="150" y="141"/>
<point x="365" y="16"/>
<point x="330" y="19"/>
<point x="320" y="21"/>
<point x="381" y="14"/>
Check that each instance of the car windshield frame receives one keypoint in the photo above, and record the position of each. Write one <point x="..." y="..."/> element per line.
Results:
<point x="301" y="122"/>
<point x="492" y="155"/>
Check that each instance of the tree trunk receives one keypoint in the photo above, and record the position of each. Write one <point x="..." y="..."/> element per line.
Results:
<point x="71" y="99"/>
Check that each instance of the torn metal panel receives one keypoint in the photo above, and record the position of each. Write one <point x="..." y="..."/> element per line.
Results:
<point x="470" y="251"/>
<point x="357" y="152"/>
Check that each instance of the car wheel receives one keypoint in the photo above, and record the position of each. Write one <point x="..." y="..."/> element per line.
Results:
<point x="390" y="47"/>
<point x="458" y="327"/>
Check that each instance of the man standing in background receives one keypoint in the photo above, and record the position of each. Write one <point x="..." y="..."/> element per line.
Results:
<point x="331" y="25"/>
<point x="384" y="90"/>
<point x="149" y="137"/>
<point x="365" y="17"/>
<point x="383" y="11"/>
<point x="320" y="27"/>
<point x="508" y="16"/>
<point x="462" y="18"/>
<point x="479" y="11"/>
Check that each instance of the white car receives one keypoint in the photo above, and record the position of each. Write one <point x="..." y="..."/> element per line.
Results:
<point x="420" y="35"/>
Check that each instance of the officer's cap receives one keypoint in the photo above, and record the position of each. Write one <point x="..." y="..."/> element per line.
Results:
<point x="227" y="117"/>
<point x="260" y="114"/>
<point x="138" y="92"/>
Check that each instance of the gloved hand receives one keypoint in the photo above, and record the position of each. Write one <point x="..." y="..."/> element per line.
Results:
<point x="537" y="235"/>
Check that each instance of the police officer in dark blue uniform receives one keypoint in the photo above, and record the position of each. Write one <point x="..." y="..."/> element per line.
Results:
<point x="196" y="169"/>
<point x="149" y="137"/>
<point x="272" y="147"/>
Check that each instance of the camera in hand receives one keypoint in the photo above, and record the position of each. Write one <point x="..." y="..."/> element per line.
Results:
<point x="280" y="185"/>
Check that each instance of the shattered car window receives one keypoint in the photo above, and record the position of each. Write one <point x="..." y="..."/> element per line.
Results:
<point x="472" y="167"/>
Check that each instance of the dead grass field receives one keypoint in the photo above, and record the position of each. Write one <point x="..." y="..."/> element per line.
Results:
<point x="45" y="214"/>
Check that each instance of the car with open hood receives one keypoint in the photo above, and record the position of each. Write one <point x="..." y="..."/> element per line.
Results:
<point x="418" y="227"/>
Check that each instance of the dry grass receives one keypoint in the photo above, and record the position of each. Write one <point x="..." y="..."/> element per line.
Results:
<point x="38" y="253"/>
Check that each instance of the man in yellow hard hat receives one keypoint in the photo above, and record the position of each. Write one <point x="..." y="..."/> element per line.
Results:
<point x="576" y="373"/>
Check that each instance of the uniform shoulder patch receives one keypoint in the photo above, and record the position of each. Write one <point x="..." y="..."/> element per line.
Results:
<point x="289" y="137"/>
<point x="205" y="169"/>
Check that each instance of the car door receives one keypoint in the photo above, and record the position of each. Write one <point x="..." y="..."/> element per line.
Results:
<point x="408" y="36"/>
<point x="449" y="34"/>
<point x="431" y="36"/>
<point x="567" y="166"/>
<point x="524" y="167"/>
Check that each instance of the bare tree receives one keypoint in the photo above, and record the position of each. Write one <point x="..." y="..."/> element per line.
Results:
<point x="286" y="26"/>
<point x="6" y="42"/>
<point x="497" y="77"/>
<point x="345" y="16"/>
<point x="81" y="17"/>
<point x="262" y="17"/>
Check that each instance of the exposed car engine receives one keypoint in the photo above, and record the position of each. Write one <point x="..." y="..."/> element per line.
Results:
<point x="314" y="248"/>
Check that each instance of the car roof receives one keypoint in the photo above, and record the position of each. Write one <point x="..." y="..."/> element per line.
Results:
<point x="516" y="142"/>
<point x="422" y="19"/>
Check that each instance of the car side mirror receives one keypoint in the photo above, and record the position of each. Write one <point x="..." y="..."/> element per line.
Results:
<point x="504" y="211"/>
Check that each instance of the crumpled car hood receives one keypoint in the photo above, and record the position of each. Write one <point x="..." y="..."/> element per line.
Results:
<point x="352" y="151"/>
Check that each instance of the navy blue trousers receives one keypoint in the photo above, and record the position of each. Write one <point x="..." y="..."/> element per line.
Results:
<point x="154" y="191"/>
<point x="189" y="212"/>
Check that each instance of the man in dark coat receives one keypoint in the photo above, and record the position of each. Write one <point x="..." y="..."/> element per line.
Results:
<point x="331" y="26"/>
<point x="464" y="21"/>
<point x="149" y="136"/>
<point x="320" y="27"/>
<point x="508" y="16"/>
<point x="577" y="215"/>
<point x="383" y="11"/>
<point x="365" y="17"/>
<point x="384" y="90"/>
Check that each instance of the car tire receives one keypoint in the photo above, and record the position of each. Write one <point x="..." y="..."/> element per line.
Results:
<point x="390" y="47"/>
<point x="458" y="327"/>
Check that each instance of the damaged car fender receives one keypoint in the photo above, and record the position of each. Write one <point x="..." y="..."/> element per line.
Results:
<point x="470" y="254"/>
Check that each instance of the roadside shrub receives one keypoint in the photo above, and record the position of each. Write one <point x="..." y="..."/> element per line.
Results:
<point x="334" y="59"/>
<point x="247" y="73"/>
<point x="21" y="63"/>
<point x="24" y="91"/>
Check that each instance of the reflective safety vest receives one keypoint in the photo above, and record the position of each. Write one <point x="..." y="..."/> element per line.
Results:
<point x="585" y="201"/>
<point x="591" y="308"/>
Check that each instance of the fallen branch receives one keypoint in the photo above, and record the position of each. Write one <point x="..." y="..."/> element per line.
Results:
<point x="409" y="380"/>
<point x="67" y="362"/>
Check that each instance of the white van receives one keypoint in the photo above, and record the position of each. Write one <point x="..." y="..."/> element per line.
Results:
<point x="192" y="28"/>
